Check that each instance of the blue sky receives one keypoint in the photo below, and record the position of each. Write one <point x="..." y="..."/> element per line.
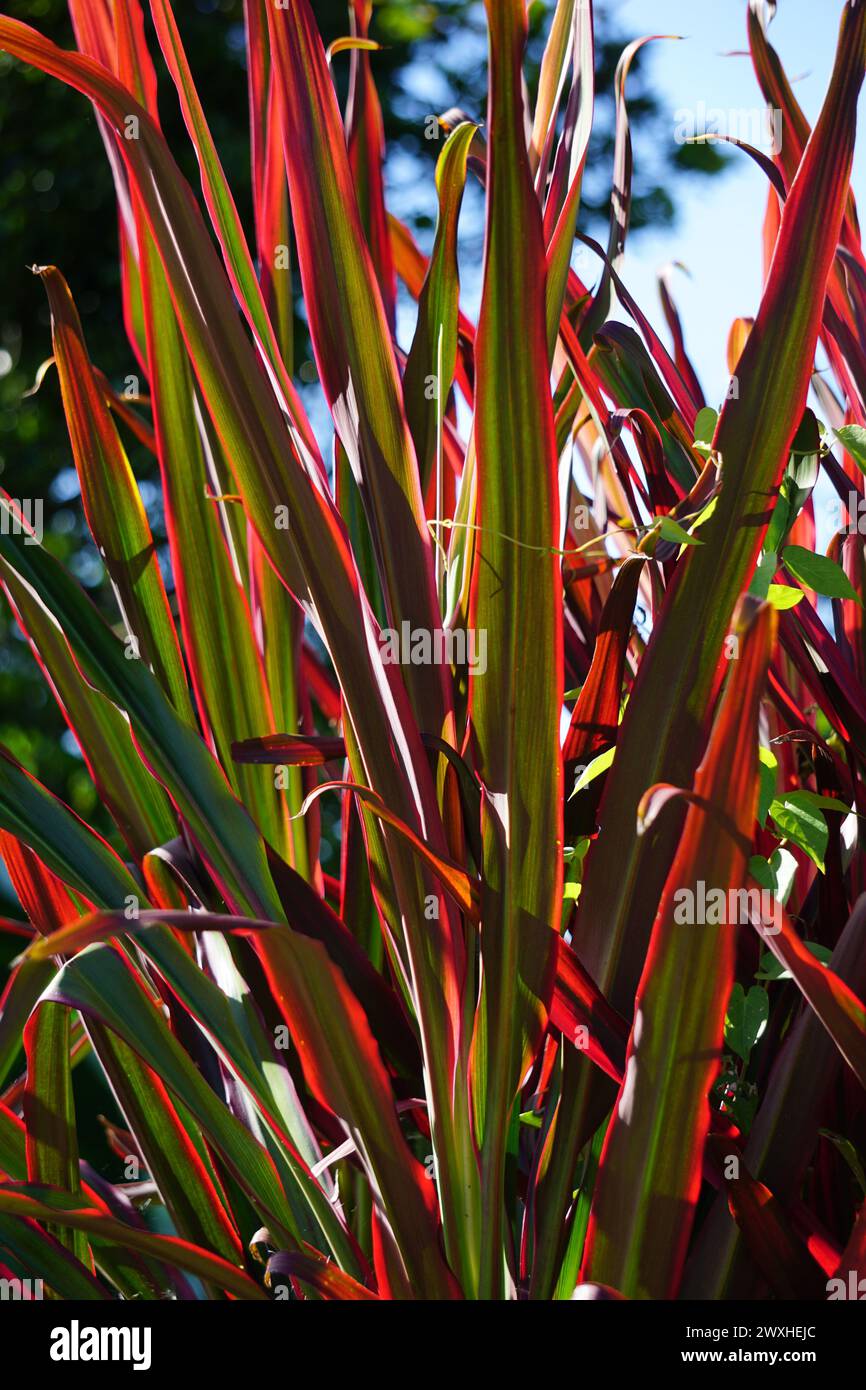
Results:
<point x="718" y="234"/>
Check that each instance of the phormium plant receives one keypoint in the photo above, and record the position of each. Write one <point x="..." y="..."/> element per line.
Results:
<point x="582" y="1013"/>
